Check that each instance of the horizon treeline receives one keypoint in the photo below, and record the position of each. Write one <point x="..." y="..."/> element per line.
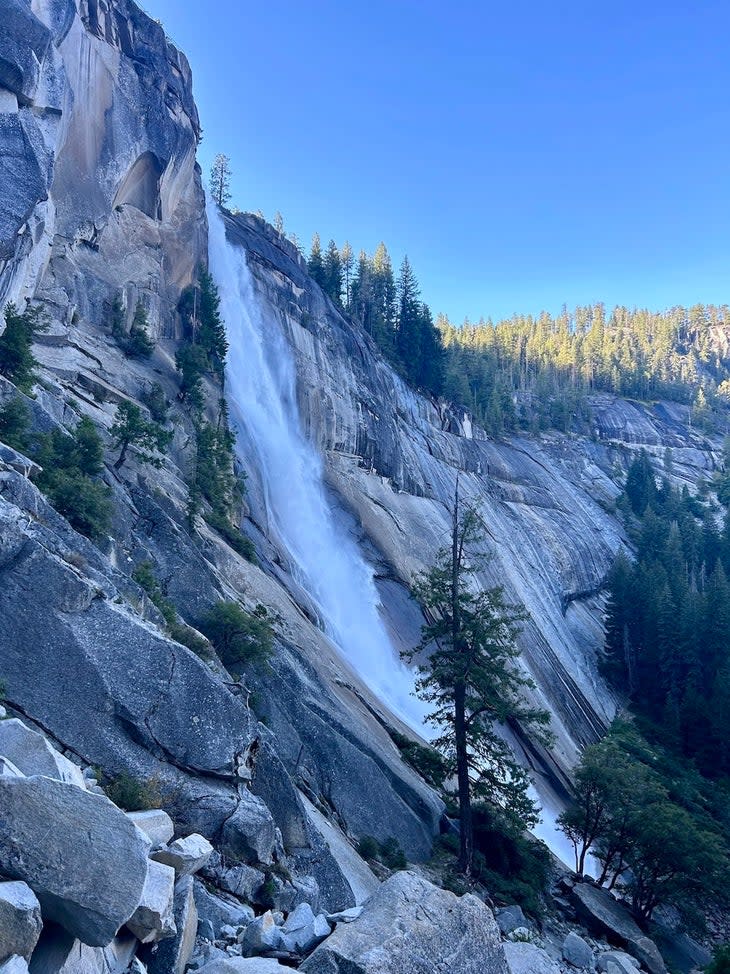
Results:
<point x="532" y="372"/>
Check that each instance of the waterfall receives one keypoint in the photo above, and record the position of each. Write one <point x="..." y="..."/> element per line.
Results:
<point x="324" y="559"/>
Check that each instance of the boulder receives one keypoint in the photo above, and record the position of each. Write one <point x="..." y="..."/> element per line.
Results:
<point x="153" y="919"/>
<point x="509" y="918"/>
<point x="81" y="856"/>
<point x="31" y="753"/>
<point x="345" y="916"/>
<point x="261" y="936"/>
<point x="60" y="953"/>
<point x="525" y="958"/>
<point x="244" y="965"/>
<point x="171" y="956"/>
<point x="20" y="920"/>
<point x="14" y="965"/>
<point x="250" y="833"/>
<point x="577" y="952"/>
<point x="603" y="914"/>
<point x="219" y="910"/>
<point x="243" y="881"/>
<point x="625" y="963"/>
<point x="186" y="856"/>
<point x="409" y="926"/>
<point x="302" y="930"/>
<point x="156" y="825"/>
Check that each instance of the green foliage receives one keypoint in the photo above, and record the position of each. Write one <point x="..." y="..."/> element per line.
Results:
<point x="720" y="963"/>
<point x="515" y="867"/>
<point x="239" y="636"/>
<point x="17" y="362"/>
<point x="14" y="424"/>
<point x="668" y="618"/>
<point x="368" y="847"/>
<point x="155" y="400"/>
<point x="220" y="179"/>
<point x="192" y="364"/>
<point x="136" y="343"/>
<point x="425" y="760"/>
<point x="233" y="535"/>
<point x="214" y="475"/>
<point x="130" y="428"/>
<point x="651" y="824"/>
<point x="393" y="315"/>
<point x="212" y="330"/>
<point x="547" y="366"/>
<point x="466" y="671"/>
<point x="134" y="795"/>
<point x="144" y="576"/>
<point x="70" y="477"/>
<point x="392" y="855"/>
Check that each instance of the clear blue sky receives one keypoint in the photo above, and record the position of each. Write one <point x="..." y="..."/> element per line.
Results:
<point x="522" y="154"/>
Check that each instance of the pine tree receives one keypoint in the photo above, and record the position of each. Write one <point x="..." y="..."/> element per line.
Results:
<point x="332" y="272"/>
<point x="212" y="330"/>
<point x="17" y="362"/>
<point x="220" y="179"/>
<point x="130" y="428"/>
<point x="347" y="257"/>
<point x="315" y="264"/>
<point x="466" y="671"/>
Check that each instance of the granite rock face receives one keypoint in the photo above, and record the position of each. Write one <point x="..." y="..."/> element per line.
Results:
<point x="411" y="927"/>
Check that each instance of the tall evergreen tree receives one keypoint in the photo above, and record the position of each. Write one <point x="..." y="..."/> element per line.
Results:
<point x="220" y="179"/>
<point x="466" y="671"/>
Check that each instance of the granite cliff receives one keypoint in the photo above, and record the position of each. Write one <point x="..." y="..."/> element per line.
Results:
<point x="101" y="202"/>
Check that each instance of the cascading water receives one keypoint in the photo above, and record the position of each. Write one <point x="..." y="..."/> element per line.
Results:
<point x="324" y="559"/>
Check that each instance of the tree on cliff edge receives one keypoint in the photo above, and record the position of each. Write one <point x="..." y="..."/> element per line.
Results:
<point x="220" y="179"/>
<point x="466" y="671"/>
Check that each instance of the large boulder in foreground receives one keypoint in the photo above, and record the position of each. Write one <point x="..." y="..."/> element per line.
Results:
<point x="81" y="856"/>
<point x="604" y="915"/>
<point x="409" y="926"/>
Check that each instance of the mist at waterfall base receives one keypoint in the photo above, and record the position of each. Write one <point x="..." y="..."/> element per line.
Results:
<point x="324" y="558"/>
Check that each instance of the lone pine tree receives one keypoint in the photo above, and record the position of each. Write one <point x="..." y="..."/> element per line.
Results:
<point x="467" y="673"/>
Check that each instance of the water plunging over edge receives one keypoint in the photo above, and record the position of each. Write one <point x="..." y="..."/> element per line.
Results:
<point x="324" y="559"/>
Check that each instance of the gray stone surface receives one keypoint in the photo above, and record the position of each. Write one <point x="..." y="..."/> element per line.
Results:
<point x="624" y="962"/>
<point x="302" y="930"/>
<point x="20" y="920"/>
<point x="261" y="936"/>
<point x="24" y="41"/>
<point x="243" y="965"/>
<point x="527" y="958"/>
<point x="81" y="856"/>
<point x="14" y="965"/>
<point x="220" y="909"/>
<point x="58" y="952"/>
<point x="171" y="956"/>
<point x="32" y="754"/>
<point x="577" y="952"/>
<point x="186" y="855"/>
<point x="156" y="825"/>
<point x="250" y="833"/>
<point x="604" y="915"/>
<point x="409" y="926"/>
<point x="509" y="918"/>
<point x="153" y="918"/>
<point x="8" y="769"/>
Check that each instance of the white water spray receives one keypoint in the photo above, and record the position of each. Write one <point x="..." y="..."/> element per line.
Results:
<point x="325" y="560"/>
